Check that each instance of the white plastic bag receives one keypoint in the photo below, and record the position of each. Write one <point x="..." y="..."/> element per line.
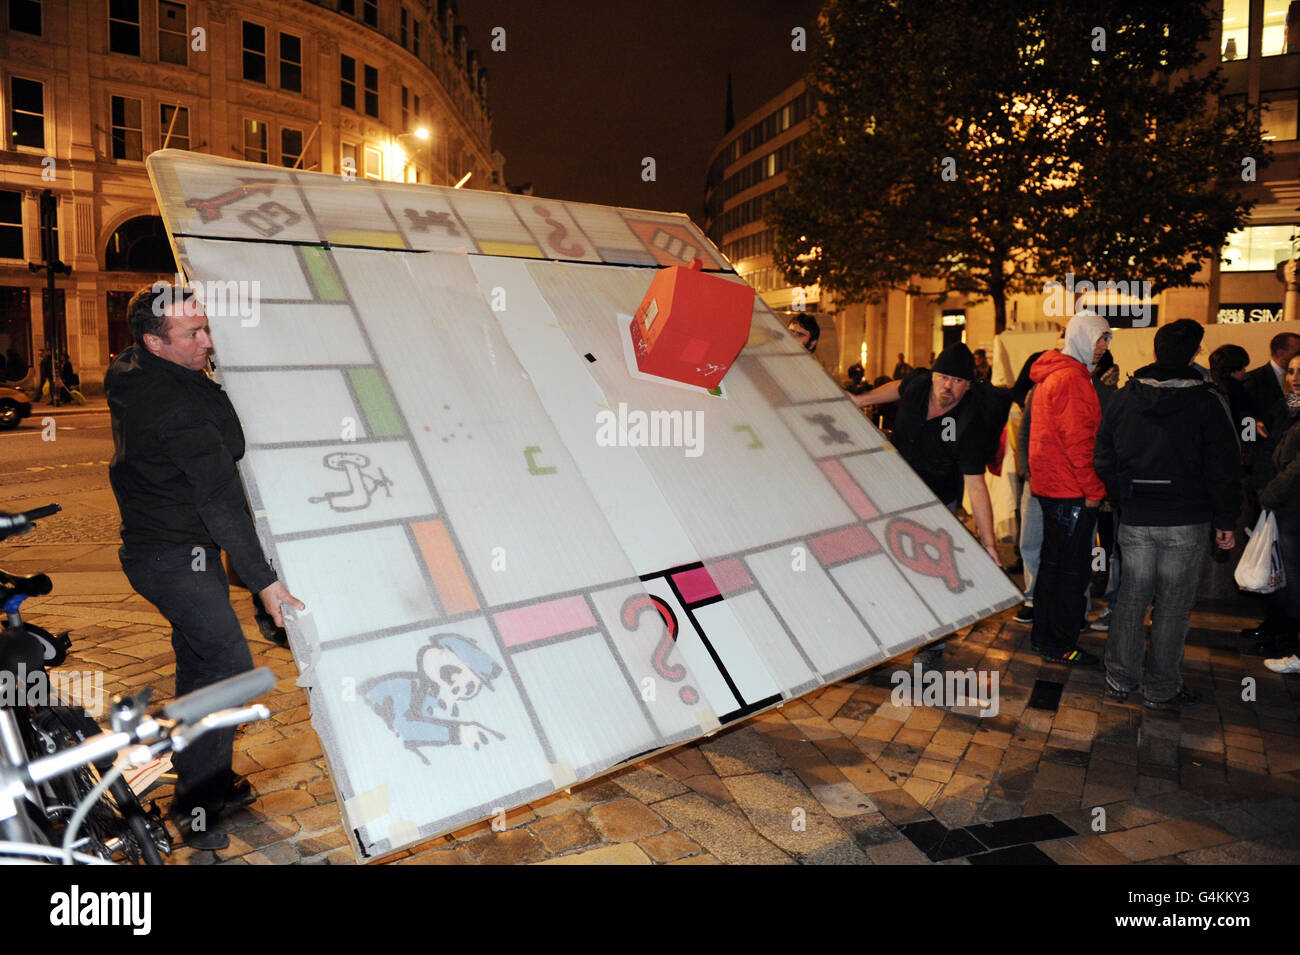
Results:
<point x="1260" y="569"/>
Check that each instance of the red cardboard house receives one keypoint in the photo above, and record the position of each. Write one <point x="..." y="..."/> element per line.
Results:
<point x="691" y="325"/>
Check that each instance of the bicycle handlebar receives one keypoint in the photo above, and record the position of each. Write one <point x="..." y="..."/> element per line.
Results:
<point x="192" y="707"/>
<point x="189" y="713"/>
<point x="21" y="522"/>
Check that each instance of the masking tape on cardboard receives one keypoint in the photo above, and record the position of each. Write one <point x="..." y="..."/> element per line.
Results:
<point x="365" y="808"/>
<point x="707" y="721"/>
<point x="402" y="831"/>
<point x="562" y="775"/>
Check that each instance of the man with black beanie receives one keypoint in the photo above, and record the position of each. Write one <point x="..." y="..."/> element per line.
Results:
<point x="943" y="433"/>
<point x="1168" y="453"/>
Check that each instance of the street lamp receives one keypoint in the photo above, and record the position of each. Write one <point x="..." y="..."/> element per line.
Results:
<point x="422" y="134"/>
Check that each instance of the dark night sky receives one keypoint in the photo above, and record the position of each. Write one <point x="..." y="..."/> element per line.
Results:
<point x="578" y="98"/>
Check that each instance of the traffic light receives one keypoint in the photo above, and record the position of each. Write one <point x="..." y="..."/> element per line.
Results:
<point x="49" y="235"/>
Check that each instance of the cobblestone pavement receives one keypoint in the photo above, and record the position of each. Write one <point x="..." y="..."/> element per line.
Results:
<point x="1060" y="775"/>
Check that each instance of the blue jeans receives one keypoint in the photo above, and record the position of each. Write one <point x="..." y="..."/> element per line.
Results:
<point x="1031" y="538"/>
<point x="1161" y="564"/>
<point x="1112" y="583"/>
<point x="209" y="646"/>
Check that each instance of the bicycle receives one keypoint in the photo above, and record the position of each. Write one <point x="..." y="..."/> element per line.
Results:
<point x="143" y="736"/>
<point x="116" y="825"/>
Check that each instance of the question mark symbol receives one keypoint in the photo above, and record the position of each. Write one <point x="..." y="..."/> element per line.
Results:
<point x="633" y="607"/>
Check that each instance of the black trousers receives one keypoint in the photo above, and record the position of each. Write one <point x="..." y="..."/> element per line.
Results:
<point x="191" y="590"/>
<point x="1063" y="573"/>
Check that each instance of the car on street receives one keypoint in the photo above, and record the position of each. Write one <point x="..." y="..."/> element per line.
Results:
<point x="14" y="407"/>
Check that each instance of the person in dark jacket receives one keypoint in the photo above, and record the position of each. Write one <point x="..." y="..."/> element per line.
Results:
<point x="944" y="430"/>
<point x="1274" y="422"/>
<point x="1282" y="496"/>
<point x="1276" y="634"/>
<point x="1166" y="451"/>
<point x="176" y="439"/>
<point x="1227" y="371"/>
<point x="1264" y="384"/>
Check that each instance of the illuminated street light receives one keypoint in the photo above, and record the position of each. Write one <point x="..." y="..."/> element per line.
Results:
<point x="422" y="134"/>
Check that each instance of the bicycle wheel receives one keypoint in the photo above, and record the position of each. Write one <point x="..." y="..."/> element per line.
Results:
<point x="117" y="826"/>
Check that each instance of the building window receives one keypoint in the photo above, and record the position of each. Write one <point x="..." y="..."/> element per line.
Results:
<point x="404" y="28"/>
<point x="1236" y="30"/>
<point x="11" y="225"/>
<point x="124" y="26"/>
<point x="1281" y="33"/>
<point x="374" y="163"/>
<point x="173" y="33"/>
<point x="372" y="92"/>
<point x="1279" y="115"/>
<point x="139" y="245"/>
<point x="415" y="38"/>
<point x="128" y="128"/>
<point x="174" y="126"/>
<point x="348" y="159"/>
<point x="290" y="146"/>
<point x="370" y="12"/>
<point x="347" y="82"/>
<point x="27" y="112"/>
<point x="255" y="140"/>
<point x="416" y="112"/>
<point x="349" y="7"/>
<point x="406" y="110"/>
<point x="1258" y="248"/>
<point x="25" y="16"/>
<point x="290" y="62"/>
<point x="254" y="52"/>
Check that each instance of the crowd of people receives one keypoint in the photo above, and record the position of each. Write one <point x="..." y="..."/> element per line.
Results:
<point x="1142" y="482"/>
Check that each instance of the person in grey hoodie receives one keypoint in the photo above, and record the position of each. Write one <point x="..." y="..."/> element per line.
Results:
<point x="1168" y="454"/>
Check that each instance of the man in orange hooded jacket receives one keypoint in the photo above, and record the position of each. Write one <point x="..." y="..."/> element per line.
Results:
<point x="1062" y="436"/>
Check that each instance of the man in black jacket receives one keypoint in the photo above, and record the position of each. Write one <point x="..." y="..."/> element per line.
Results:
<point x="1168" y="454"/>
<point x="176" y="440"/>
<point x="1264" y="384"/>
<point x="946" y="431"/>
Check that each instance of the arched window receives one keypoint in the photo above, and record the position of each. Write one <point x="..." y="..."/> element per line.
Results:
<point x="139" y="245"/>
